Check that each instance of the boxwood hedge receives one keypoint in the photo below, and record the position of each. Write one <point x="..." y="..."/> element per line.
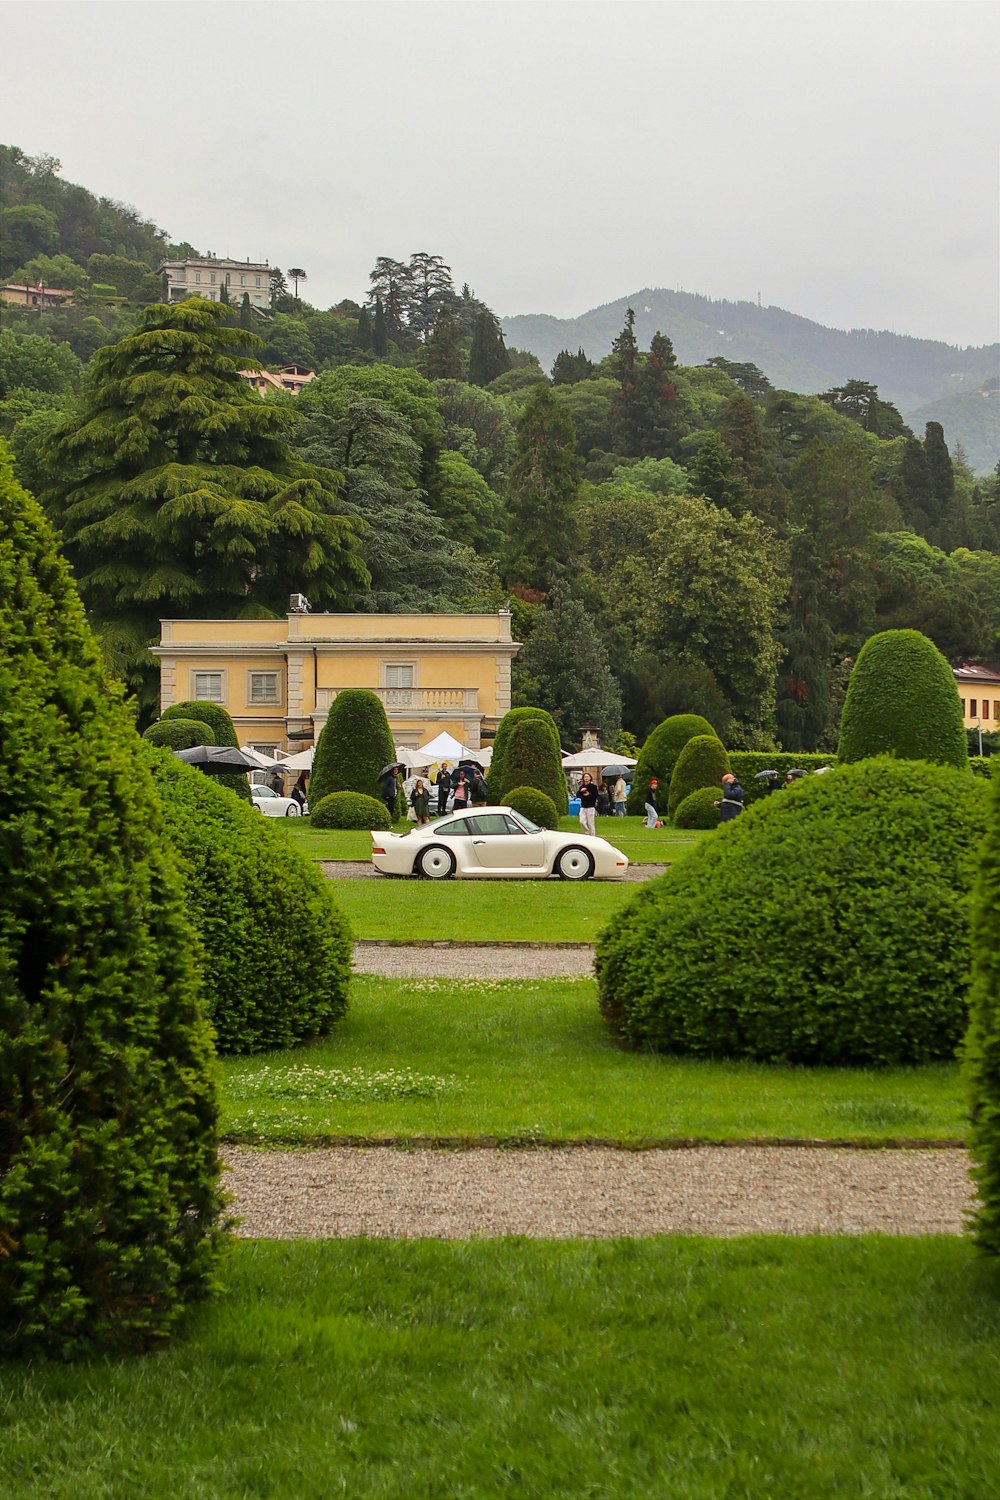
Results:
<point x="745" y="765"/>
<point x="534" y="805"/>
<point x="982" y="1047"/>
<point x="276" y="950"/>
<point x="350" y="810"/>
<point x="702" y="762"/>
<point x="533" y="760"/>
<point x="179" y="734"/>
<point x="828" y="925"/>
<point x="223" y="731"/>
<point x="354" y="745"/>
<point x="499" y="782"/>
<point x="699" y="810"/>
<point x="902" y="699"/>
<point x="109" y="1175"/>
<point x="658" y="757"/>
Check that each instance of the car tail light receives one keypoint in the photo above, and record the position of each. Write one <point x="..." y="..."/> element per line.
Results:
<point x="377" y="850"/>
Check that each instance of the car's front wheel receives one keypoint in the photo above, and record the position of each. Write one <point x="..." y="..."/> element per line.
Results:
<point x="293" y="811"/>
<point x="436" y="863"/>
<point x="574" y="864"/>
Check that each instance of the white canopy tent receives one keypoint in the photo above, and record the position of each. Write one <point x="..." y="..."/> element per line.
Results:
<point x="445" y="747"/>
<point x="301" y="762"/>
<point x="596" y="759"/>
<point x="263" y="762"/>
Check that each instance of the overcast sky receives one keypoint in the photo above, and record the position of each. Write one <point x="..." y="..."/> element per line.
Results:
<point x="840" y="159"/>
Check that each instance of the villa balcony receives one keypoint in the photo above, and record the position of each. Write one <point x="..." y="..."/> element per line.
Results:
<point x="424" y="702"/>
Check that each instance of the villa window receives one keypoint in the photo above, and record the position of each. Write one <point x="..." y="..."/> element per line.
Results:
<point x="264" y="687"/>
<point x="207" y="687"/>
<point x="972" y="708"/>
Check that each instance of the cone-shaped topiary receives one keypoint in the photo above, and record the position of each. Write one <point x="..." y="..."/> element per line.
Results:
<point x="702" y="762"/>
<point x="534" y="805"/>
<point x="699" y="810"/>
<point x="350" y="810"/>
<point x="659" y="755"/>
<point x="982" y="1044"/>
<point x="827" y="925"/>
<point x="109" y="1195"/>
<point x="179" y="734"/>
<point x="499" y="783"/>
<point x="221" y="726"/>
<point x="354" y="745"/>
<point x="276" y="948"/>
<point x="902" y="699"/>
<point x="533" y="760"/>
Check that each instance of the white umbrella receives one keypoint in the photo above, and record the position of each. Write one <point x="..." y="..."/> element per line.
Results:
<point x="262" y="762"/>
<point x="301" y="762"/>
<point x="413" y="759"/>
<point x="582" y="760"/>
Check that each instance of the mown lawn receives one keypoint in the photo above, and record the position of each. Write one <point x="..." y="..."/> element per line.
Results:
<point x="534" y="1060"/>
<point x="667" y="1369"/>
<point x="481" y="911"/>
<point x="642" y="845"/>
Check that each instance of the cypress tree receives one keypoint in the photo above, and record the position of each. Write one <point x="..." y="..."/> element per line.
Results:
<point x="109" y="1196"/>
<point x="380" y="338"/>
<point x="364" y="338"/>
<point x="542" y="492"/>
<point x="488" y="357"/>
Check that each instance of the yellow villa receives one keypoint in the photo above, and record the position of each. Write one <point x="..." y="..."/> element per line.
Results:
<point x="277" y="678"/>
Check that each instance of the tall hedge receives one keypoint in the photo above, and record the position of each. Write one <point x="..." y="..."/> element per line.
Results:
<point x="828" y="925"/>
<point x="354" y="745"/>
<point x="276" y="950"/>
<point x="533" y="760"/>
<point x="745" y="765"/>
<point x="659" y="755"/>
<point x="224" y="731"/>
<point x="109" y="1176"/>
<point x="179" y="734"/>
<point x="902" y="699"/>
<point x="702" y="762"/>
<point x="982" y="1044"/>
<point x="499" y="782"/>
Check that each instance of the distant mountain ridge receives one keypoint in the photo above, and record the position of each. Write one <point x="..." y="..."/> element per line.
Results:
<point x="795" y="353"/>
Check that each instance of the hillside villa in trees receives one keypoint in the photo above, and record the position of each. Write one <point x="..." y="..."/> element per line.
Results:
<point x="979" y="690"/>
<point x="277" y="678"/>
<point x="205" y="276"/>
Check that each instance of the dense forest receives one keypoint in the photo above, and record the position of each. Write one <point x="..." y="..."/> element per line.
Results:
<point x="671" y="537"/>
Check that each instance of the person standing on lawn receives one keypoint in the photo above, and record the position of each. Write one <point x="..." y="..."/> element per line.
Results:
<point x="587" y="794"/>
<point x="619" y="796"/>
<point x="443" y="788"/>
<point x="461" y="789"/>
<point x="652" y="816"/>
<point x="420" y="800"/>
<point x="732" y="799"/>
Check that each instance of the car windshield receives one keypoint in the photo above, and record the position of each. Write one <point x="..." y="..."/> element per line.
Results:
<point x="527" y="824"/>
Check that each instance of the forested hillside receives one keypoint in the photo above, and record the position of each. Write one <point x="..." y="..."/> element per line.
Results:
<point x="672" y="537"/>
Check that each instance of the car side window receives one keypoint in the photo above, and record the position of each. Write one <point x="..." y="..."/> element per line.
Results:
<point x="493" y="823"/>
<point x="457" y="828"/>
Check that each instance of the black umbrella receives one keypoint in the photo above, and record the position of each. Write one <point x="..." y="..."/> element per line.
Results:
<point x="217" y="760"/>
<point x="765" y="775"/>
<point x="393" y="766"/>
<point x="610" y="771"/>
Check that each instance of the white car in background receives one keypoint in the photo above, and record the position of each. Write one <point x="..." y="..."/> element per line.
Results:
<point x="272" y="805"/>
<point x="495" y="843"/>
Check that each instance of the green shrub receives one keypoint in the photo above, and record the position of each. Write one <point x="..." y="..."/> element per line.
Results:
<point x="109" y="1192"/>
<point x="827" y="925"/>
<point x="533" y="804"/>
<point x="276" y="951"/>
<point x="499" y="781"/>
<point x="349" y="810"/>
<point x="353" y="746"/>
<point x="745" y="764"/>
<point x="658" y="757"/>
<point x="981" y="765"/>
<point x="699" y="810"/>
<point x="902" y="699"/>
<point x="702" y="762"/>
<point x="533" y="760"/>
<point x="982" y="1046"/>
<point x="179" y="734"/>
<point x="224" y="731"/>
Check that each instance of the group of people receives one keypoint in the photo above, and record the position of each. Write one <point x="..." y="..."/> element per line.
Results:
<point x="298" y="793"/>
<point x="466" y="787"/>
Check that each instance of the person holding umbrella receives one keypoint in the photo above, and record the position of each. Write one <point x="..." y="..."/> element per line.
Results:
<point x="388" y="787"/>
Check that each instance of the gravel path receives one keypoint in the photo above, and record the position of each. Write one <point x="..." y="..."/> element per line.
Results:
<point x="596" y="1192"/>
<point x="474" y="960"/>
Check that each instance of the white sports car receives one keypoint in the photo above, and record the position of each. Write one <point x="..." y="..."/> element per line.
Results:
<point x="495" y="842"/>
<point x="272" y="805"/>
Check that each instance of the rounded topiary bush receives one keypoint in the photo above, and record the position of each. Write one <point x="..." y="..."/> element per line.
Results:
<point x="276" y="950"/>
<point x="702" y="762"/>
<point x="698" y="810"/>
<point x="828" y="925"/>
<point x="499" y="782"/>
<point x="109" y="1191"/>
<point x="179" y="734"/>
<point x="354" y="745"/>
<point x="349" y="810"/>
<point x="533" y="759"/>
<point x="902" y="699"/>
<point x="982" y="1046"/>
<point x="658" y="757"/>
<point x="534" y="805"/>
<point x="223" y="732"/>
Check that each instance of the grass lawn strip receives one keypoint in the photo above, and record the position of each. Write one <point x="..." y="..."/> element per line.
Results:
<point x="413" y="911"/>
<point x="669" y="1369"/>
<point x="529" y="1060"/>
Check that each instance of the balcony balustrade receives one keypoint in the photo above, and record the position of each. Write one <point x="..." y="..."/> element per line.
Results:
<point x="414" y="700"/>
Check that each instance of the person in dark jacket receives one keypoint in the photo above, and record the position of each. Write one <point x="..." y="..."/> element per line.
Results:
<point x="298" y="792"/>
<point x="478" y="791"/>
<point x="388" y="786"/>
<point x="443" y="788"/>
<point x="587" y="794"/>
<point x="420" y="800"/>
<point x="732" y="799"/>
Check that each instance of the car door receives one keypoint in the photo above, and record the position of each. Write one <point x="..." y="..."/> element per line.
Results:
<point x="501" y="847"/>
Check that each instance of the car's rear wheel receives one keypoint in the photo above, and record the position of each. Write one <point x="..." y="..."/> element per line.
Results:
<point x="574" y="864"/>
<point x="436" y="863"/>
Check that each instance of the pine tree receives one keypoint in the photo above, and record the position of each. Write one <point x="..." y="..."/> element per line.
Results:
<point x="654" y="405"/>
<point x="625" y="357"/>
<point x="542" y="492"/>
<point x="443" y="351"/>
<point x="568" y="368"/>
